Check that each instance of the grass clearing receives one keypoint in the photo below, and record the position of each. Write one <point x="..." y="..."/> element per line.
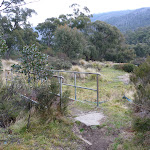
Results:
<point x="58" y="134"/>
<point x="41" y="135"/>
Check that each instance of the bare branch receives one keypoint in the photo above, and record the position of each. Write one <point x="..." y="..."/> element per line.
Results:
<point x="18" y="5"/>
<point x="2" y="3"/>
<point x="6" y="6"/>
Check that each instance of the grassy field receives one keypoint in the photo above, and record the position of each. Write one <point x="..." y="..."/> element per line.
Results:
<point x="110" y="87"/>
<point x="57" y="133"/>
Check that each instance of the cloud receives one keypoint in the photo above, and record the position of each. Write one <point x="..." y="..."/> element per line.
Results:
<point x="48" y="8"/>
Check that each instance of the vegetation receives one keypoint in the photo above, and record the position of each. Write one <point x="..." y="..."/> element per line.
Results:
<point x="31" y="110"/>
<point x="138" y="40"/>
<point x="125" y="67"/>
<point x="141" y="81"/>
<point x="107" y="43"/>
<point x="71" y="42"/>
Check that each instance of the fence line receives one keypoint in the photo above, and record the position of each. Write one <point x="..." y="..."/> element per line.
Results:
<point x="75" y="85"/>
<point x="60" y="78"/>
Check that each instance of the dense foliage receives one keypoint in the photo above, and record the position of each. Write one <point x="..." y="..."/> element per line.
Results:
<point x="139" y="41"/>
<point x="70" y="41"/>
<point x="141" y="80"/>
<point x="33" y="62"/>
<point x="108" y="43"/>
<point x="17" y="31"/>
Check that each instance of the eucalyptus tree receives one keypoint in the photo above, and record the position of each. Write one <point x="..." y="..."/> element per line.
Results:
<point x="71" y="42"/>
<point x="17" y="31"/>
<point x="139" y="40"/>
<point x="108" y="42"/>
<point x="79" y="18"/>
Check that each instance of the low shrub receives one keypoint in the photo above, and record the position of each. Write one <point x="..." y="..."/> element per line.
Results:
<point x="128" y="67"/>
<point x="97" y="65"/>
<point x="125" y="67"/>
<point x="78" y="69"/>
<point x="141" y="124"/>
<point x="11" y="104"/>
<point x="61" y="64"/>
<point x="141" y="81"/>
<point x="48" y="99"/>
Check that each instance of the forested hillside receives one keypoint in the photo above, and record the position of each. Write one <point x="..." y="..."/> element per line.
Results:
<point x="126" y="20"/>
<point x="108" y="15"/>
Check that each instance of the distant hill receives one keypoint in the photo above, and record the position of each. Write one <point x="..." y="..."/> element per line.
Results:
<point x="127" y="19"/>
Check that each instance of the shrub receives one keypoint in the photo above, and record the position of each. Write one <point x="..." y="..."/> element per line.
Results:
<point x="97" y="65"/>
<point x="48" y="100"/>
<point x="65" y="101"/>
<point x="141" y="80"/>
<point x="11" y="104"/>
<point x="128" y="67"/>
<point x="46" y="95"/>
<point x="141" y="124"/>
<point x="61" y="64"/>
<point x="125" y="67"/>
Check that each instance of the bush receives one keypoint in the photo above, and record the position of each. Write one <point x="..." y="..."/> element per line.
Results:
<point x="61" y="64"/>
<point x="141" y="80"/>
<point x="11" y="104"/>
<point x="141" y="124"/>
<point x="83" y="62"/>
<point x="49" y="102"/>
<point x="128" y="67"/>
<point x="78" y="69"/>
<point x="46" y="95"/>
<point x="125" y="67"/>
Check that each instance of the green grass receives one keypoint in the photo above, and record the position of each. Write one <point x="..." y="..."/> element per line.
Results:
<point x="109" y="86"/>
<point x="41" y="135"/>
<point x="57" y="133"/>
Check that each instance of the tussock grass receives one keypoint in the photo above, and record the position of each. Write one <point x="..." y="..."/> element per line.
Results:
<point x="78" y="69"/>
<point x="83" y="62"/>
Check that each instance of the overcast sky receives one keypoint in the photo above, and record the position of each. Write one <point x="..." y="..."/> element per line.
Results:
<point x="53" y="8"/>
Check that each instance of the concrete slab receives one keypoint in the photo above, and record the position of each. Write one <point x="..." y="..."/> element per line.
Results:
<point x="92" y="118"/>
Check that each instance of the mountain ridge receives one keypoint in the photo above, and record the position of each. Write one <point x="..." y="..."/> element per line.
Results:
<point x="126" y="19"/>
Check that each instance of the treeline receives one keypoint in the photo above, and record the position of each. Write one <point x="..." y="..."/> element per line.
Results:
<point x="77" y="37"/>
<point x="139" y="40"/>
<point x="126" y="20"/>
<point x="72" y="35"/>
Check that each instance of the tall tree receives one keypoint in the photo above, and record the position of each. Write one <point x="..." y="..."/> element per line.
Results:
<point x="139" y="40"/>
<point x="108" y="42"/>
<point x="77" y="19"/>
<point x="70" y="41"/>
<point x="17" y="31"/>
<point x="47" y="29"/>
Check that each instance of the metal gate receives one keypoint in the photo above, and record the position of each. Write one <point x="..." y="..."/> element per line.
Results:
<point x="61" y="83"/>
<point x="60" y="77"/>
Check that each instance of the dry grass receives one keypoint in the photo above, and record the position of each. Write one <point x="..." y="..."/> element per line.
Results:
<point x="6" y="67"/>
<point x="83" y="62"/>
<point x="6" y="64"/>
<point x="78" y="69"/>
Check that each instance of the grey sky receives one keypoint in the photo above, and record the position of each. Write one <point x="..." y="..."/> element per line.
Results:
<point x="53" y="8"/>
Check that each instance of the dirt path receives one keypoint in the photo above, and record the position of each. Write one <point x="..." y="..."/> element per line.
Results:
<point x="94" y="137"/>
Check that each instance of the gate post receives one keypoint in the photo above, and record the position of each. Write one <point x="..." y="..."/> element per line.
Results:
<point x="75" y="88"/>
<point x="97" y="90"/>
